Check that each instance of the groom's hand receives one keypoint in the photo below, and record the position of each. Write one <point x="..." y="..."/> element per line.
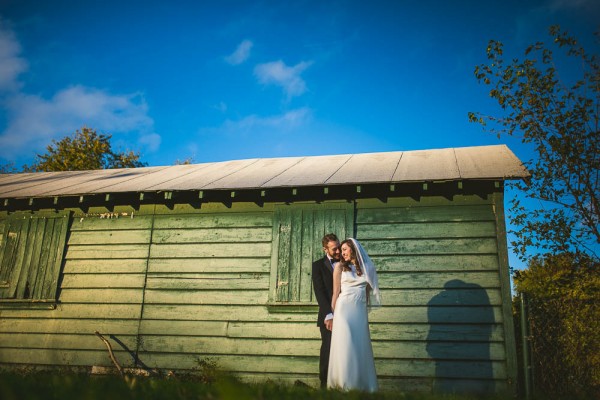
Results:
<point x="329" y="324"/>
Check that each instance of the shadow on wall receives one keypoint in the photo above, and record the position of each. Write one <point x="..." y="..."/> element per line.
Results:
<point x="461" y="319"/>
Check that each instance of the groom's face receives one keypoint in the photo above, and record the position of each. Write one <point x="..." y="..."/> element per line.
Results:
<point x="333" y="249"/>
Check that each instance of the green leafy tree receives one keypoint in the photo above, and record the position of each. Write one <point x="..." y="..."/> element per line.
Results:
<point x="8" y="168"/>
<point x="84" y="150"/>
<point x="560" y="121"/>
<point x="187" y="161"/>
<point x="563" y="292"/>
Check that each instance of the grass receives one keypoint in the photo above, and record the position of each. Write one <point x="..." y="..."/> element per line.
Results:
<point x="65" y="386"/>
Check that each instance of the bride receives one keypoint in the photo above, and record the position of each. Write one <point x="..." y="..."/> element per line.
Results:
<point x="351" y="364"/>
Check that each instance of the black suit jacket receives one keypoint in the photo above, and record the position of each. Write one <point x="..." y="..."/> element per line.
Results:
<point x="322" y="277"/>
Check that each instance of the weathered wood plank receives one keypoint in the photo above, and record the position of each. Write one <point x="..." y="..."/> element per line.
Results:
<point x="214" y="220"/>
<point x="309" y="236"/>
<point x="478" y="351"/>
<point x="309" y="365"/>
<point x="210" y="265"/>
<point x="101" y="281"/>
<point x="257" y="313"/>
<point x="184" y="328"/>
<point x="433" y="297"/>
<point x="284" y="235"/>
<point x="441" y="263"/>
<point x="186" y="297"/>
<point x="440" y="315"/>
<point x="310" y="347"/>
<point x="449" y="213"/>
<point x="273" y="330"/>
<point x="430" y="246"/>
<point x="95" y="223"/>
<point x="258" y="364"/>
<point x="438" y="332"/>
<point x="212" y="235"/>
<point x="57" y="255"/>
<point x="208" y="281"/>
<point x="77" y="311"/>
<point x="210" y="250"/>
<point x="110" y="237"/>
<point x="103" y="266"/>
<point x="107" y="251"/>
<point x="466" y="369"/>
<point x="229" y="346"/>
<point x="439" y="280"/>
<point x="35" y="265"/>
<point x="102" y="296"/>
<point x="50" y="259"/>
<point x="49" y="279"/>
<point x="427" y="230"/>
<point x="274" y="262"/>
<point x="379" y="331"/>
<point x="219" y="313"/>
<point x="64" y="341"/>
<point x="63" y="357"/>
<point x="72" y="326"/>
<point x="295" y="262"/>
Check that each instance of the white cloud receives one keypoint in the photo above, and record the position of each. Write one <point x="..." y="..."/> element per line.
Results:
<point x="254" y="127"/>
<point x="11" y="64"/>
<point x="33" y="121"/>
<point x="150" y="141"/>
<point x="280" y="123"/>
<point x="279" y="74"/>
<point x="240" y="54"/>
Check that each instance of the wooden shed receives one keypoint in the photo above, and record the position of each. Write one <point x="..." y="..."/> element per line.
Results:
<point x="186" y="264"/>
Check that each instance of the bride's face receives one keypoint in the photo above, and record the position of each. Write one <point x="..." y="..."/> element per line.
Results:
<point x="346" y="252"/>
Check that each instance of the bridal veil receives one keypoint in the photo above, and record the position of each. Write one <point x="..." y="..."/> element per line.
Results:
<point x="370" y="274"/>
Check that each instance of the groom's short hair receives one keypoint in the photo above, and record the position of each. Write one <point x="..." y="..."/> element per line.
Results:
<point x="330" y="237"/>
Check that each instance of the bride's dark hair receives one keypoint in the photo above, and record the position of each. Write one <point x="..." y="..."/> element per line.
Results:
<point x="353" y="258"/>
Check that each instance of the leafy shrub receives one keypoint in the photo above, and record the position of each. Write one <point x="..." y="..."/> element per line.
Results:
<point x="563" y="293"/>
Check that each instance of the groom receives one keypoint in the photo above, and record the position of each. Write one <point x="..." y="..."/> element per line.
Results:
<point x="322" y="277"/>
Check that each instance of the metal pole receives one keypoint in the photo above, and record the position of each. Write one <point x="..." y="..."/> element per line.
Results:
<point x="525" y="346"/>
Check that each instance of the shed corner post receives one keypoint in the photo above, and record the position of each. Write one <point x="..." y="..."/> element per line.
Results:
<point x="503" y="270"/>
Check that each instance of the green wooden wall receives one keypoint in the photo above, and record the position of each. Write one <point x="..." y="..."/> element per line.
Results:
<point x="181" y="285"/>
<point x="440" y="272"/>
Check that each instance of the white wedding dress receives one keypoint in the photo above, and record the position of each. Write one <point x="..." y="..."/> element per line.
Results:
<point x="351" y="364"/>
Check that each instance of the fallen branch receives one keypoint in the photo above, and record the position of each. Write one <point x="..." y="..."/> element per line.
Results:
<point x="110" y="352"/>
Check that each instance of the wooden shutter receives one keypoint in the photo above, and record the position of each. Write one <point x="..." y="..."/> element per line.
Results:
<point x="298" y="230"/>
<point x="31" y="256"/>
<point x="8" y="254"/>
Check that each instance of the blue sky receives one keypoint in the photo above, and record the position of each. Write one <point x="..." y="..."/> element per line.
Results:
<point x="222" y="80"/>
<point x="225" y="80"/>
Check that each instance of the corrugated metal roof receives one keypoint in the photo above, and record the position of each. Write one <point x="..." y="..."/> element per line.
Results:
<point x="482" y="162"/>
